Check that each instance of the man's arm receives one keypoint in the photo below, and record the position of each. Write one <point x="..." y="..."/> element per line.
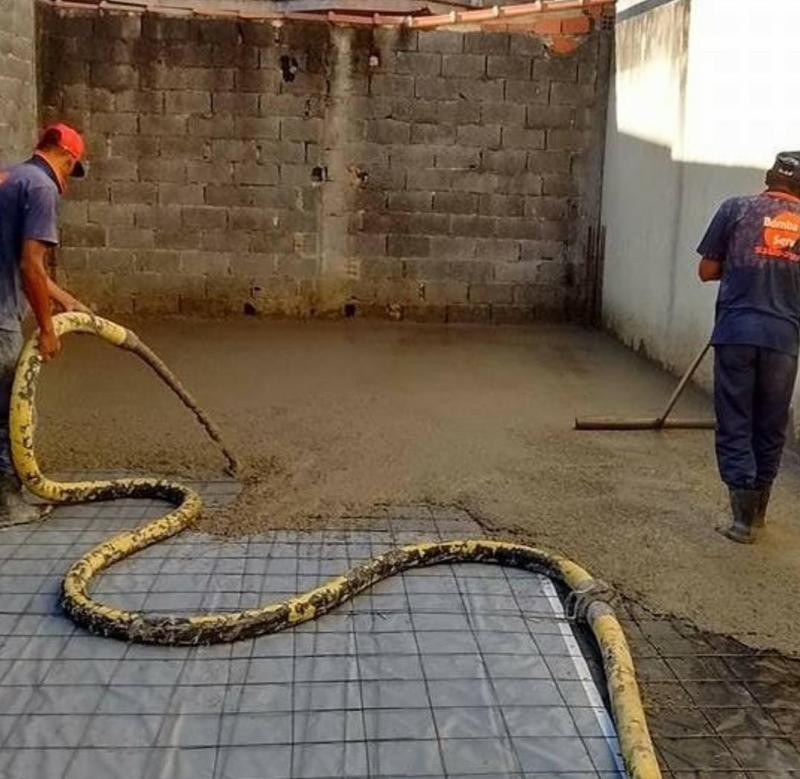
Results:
<point x="709" y="269"/>
<point x="714" y="246"/>
<point x="36" y="288"/>
<point x="64" y="299"/>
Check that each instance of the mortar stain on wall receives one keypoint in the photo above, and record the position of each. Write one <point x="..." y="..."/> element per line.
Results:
<point x="441" y="176"/>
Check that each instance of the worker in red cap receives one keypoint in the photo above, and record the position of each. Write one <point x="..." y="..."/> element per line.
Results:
<point x="29" y="196"/>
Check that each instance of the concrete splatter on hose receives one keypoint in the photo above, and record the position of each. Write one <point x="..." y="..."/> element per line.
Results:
<point x="590" y="595"/>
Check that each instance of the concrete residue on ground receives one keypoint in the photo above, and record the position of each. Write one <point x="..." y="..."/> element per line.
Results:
<point x="334" y="418"/>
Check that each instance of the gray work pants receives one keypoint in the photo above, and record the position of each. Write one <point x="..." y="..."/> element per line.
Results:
<point x="10" y="346"/>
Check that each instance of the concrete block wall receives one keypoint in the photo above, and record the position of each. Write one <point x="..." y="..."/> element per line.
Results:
<point x="312" y="170"/>
<point x="17" y="79"/>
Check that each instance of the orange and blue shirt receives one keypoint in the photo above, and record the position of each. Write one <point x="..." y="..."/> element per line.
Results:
<point x="757" y="240"/>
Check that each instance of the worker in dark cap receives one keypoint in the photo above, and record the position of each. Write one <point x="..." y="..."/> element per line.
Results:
<point x="29" y="196"/>
<point x="752" y="247"/>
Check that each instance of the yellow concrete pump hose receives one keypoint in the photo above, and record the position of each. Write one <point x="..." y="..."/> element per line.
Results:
<point x="589" y="595"/>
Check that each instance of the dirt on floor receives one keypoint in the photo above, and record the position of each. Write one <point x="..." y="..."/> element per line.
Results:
<point x="332" y="418"/>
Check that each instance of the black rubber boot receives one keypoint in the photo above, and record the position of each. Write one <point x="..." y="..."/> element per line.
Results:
<point x="744" y="508"/>
<point x="763" y="501"/>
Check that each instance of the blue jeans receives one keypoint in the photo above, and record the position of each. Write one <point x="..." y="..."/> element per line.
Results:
<point x="753" y="389"/>
<point x="10" y="346"/>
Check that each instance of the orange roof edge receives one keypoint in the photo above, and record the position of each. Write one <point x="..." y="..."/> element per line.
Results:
<point x="569" y="17"/>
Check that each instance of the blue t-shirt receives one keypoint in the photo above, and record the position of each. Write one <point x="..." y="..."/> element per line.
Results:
<point x="757" y="240"/>
<point x="29" y="198"/>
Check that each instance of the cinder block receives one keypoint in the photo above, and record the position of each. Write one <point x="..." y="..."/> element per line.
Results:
<point x="134" y="146"/>
<point x="381" y="268"/>
<point x="549" y="161"/>
<point x="174" y="54"/>
<point x="184" y="194"/>
<point x="410" y="201"/>
<point x="257" y="127"/>
<point x="248" y="173"/>
<point x="433" y="134"/>
<point x="469" y="314"/>
<point x="501" y="205"/>
<point x="203" y="263"/>
<point x="449" y="247"/>
<point x="109" y="213"/>
<point x="300" y="130"/>
<point x="388" y="131"/>
<point x="464" y="65"/>
<point x="403" y="157"/>
<point x="109" y="260"/>
<point x="145" y="101"/>
<point x="156" y="261"/>
<point x="523" y="183"/>
<point x="506" y="114"/>
<point x="249" y="218"/>
<point x="473" y="225"/>
<point x="157" y="217"/>
<point x="496" y="250"/>
<point x="204" y="218"/>
<point x="477" y="181"/>
<point x="238" y="55"/>
<point x="408" y="246"/>
<point x="441" y="293"/>
<point x="234" y="150"/>
<point x="459" y="158"/>
<point x="115" y="169"/>
<point x="445" y="89"/>
<point x="127" y="26"/>
<point x="161" y="28"/>
<point x="512" y="66"/>
<point x="490" y="293"/>
<point x="256" y="81"/>
<point x="571" y="140"/>
<point x="441" y="41"/>
<point x="487" y="43"/>
<point x="113" y="123"/>
<point x="455" y="202"/>
<point x="209" y="172"/>
<point x="162" y="169"/>
<point x="367" y="245"/>
<point x="553" y="68"/>
<point x="548" y="117"/>
<point x="239" y="103"/>
<point x="526" y="44"/>
<point x="571" y="94"/>
<point x="519" y="228"/>
<point x="418" y="63"/>
<point x="527" y="92"/>
<point x="153" y="124"/>
<point x="471" y="270"/>
<point x="522" y="138"/>
<point x="133" y="192"/>
<point x="188" y="102"/>
<point x="453" y="112"/>
<point x="560" y="185"/>
<point x="390" y="85"/>
<point x="587" y="73"/>
<point x="170" y="238"/>
<point x="541" y="251"/>
<point x="485" y="136"/>
<point x="131" y="237"/>
<point x="555" y="208"/>
<point x="114" y="78"/>
<point x="506" y="161"/>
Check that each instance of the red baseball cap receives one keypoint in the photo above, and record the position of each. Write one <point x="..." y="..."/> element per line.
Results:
<point x="71" y="141"/>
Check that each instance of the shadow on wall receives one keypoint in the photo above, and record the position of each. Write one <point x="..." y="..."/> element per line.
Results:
<point x="657" y="207"/>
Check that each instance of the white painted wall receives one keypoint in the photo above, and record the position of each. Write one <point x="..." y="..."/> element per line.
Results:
<point x="703" y="96"/>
